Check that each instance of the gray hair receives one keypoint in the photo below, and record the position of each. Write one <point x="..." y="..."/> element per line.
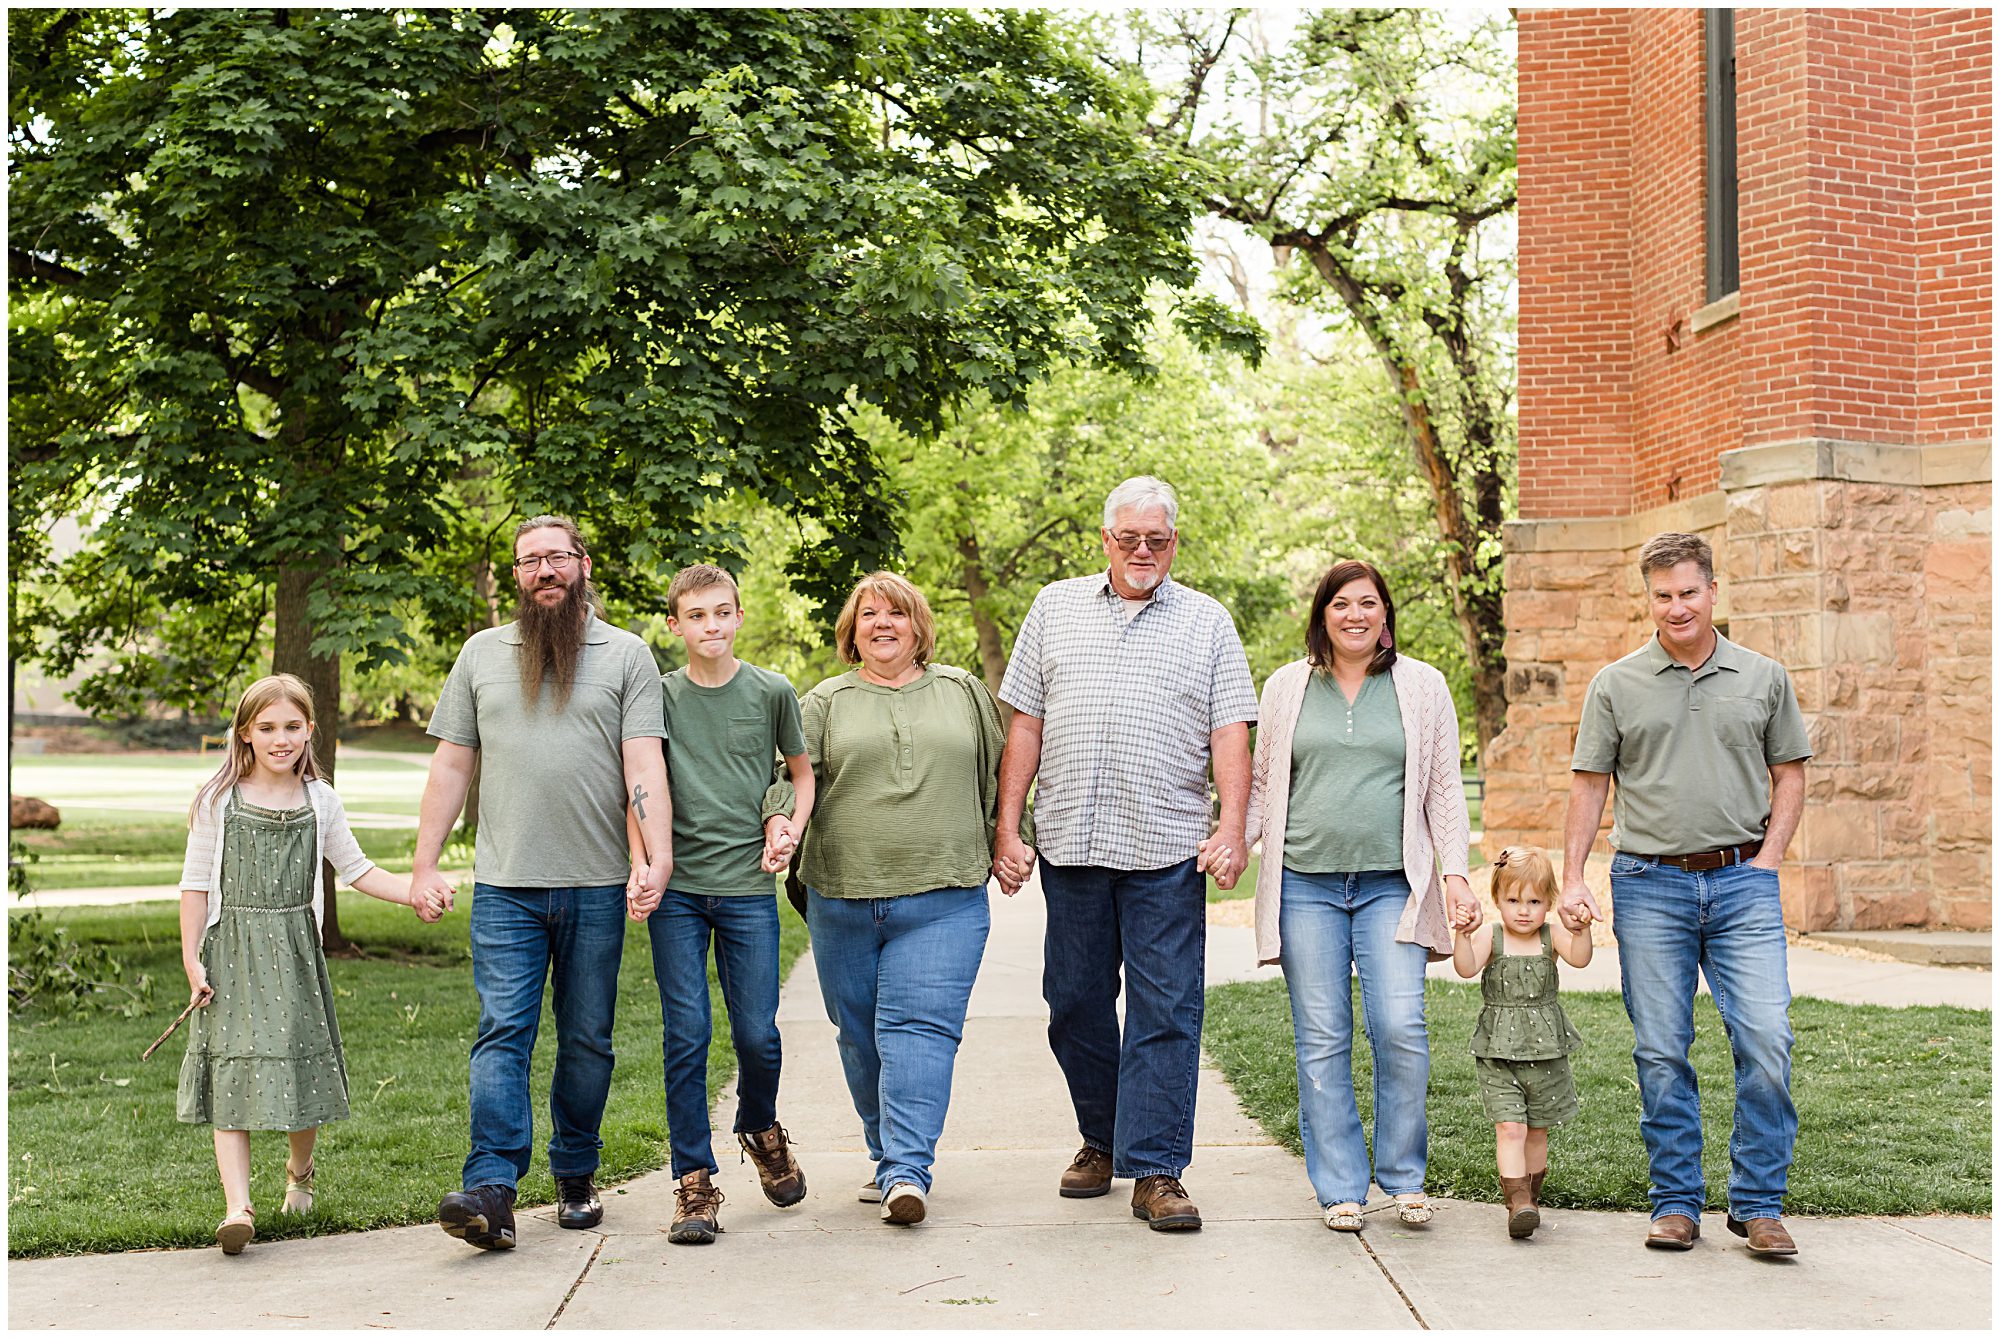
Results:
<point x="1142" y="493"/>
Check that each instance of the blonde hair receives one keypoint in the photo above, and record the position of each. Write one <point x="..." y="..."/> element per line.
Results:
<point x="238" y="760"/>
<point x="903" y="597"/>
<point x="689" y="580"/>
<point x="1526" y="866"/>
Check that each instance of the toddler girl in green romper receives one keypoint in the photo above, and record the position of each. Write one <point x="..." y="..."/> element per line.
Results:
<point x="1522" y="1043"/>
<point x="263" y="1045"/>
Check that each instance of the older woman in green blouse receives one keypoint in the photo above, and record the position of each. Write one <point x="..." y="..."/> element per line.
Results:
<point x="906" y="756"/>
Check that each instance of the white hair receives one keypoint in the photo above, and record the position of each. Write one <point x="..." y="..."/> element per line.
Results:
<point x="1139" y="494"/>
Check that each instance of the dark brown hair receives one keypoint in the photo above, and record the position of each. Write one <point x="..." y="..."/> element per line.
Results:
<point x="1319" y="646"/>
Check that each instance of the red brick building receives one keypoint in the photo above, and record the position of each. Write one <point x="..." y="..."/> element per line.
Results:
<point x="1823" y="415"/>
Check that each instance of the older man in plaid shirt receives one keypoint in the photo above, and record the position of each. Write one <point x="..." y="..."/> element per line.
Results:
<point x="1124" y="684"/>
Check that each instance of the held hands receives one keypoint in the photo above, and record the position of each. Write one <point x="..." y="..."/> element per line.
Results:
<point x="780" y="840"/>
<point x="1576" y="908"/>
<point x="646" y="886"/>
<point x="1223" y="857"/>
<point x="1013" y="861"/>
<point x="431" y="895"/>
<point x="1462" y="908"/>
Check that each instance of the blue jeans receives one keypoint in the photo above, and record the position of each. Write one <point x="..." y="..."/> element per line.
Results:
<point x="518" y="933"/>
<point x="1134" y="1096"/>
<point x="1728" y="923"/>
<point x="1332" y="926"/>
<point x="745" y="930"/>
<point x="896" y="974"/>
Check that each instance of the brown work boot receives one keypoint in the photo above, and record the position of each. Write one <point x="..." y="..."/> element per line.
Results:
<point x="1767" y="1235"/>
<point x="1522" y="1215"/>
<point x="1089" y="1174"/>
<point x="1535" y="1186"/>
<point x="1161" y="1203"/>
<point x="777" y="1170"/>
<point x="1673" y="1231"/>
<point x="696" y="1200"/>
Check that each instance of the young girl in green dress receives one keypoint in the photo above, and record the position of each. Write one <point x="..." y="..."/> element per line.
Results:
<point x="1522" y="1042"/>
<point x="263" y="1046"/>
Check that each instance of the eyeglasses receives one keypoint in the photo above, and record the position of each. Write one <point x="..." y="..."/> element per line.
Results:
<point x="1129" y="543"/>
<point x="528" y="566"/>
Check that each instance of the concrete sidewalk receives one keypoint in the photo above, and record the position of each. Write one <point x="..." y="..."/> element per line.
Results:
<point x="1002" y="1250"/>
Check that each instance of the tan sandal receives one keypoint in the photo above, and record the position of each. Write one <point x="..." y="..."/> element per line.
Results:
<point x="298" y="1190"/>
<point x="236" y="1231"/>
<point x="1342" y="1216"/>
<point x="1414" y="1212"/>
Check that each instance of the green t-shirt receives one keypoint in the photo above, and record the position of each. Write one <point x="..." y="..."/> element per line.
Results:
<point x="1346" y="809"/>
<point x="551" y="782"/>
<point x="720" y="746"/>
<point x="907" y="784"/>
<point x="1691" y="749"/>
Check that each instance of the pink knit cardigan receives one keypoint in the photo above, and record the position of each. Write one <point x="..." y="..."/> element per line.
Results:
<point x="1436" y="830"/>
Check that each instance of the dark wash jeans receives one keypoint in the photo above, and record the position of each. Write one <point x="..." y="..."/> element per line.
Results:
<point x="1134" y="1095"/>
<point x="745" y="931"/>
<point x="518" y="935"/>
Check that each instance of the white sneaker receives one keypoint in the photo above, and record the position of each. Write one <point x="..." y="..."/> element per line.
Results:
<point x="904" y="1204"/>
<point x="870" y="1192"/>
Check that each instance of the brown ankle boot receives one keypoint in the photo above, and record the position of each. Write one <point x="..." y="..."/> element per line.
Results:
<point x="1535" y="1186"/>
<point x="1522" y="1216"/>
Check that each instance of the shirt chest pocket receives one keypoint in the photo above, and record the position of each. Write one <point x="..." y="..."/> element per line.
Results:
<point x="1739" y="721"/>
<point x="748" y="736"/>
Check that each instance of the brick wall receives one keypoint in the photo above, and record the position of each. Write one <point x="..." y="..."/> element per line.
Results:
<point x="1831" y="437"/>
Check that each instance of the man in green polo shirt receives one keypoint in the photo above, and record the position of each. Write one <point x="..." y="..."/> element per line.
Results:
<point x="1709" y="749"/>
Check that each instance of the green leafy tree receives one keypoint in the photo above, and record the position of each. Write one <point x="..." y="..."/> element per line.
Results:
<point x="1377" y="145"/>
<point x="287" y="282"/>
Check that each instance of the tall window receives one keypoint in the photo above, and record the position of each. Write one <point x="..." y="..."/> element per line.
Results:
<point x="1719" y="47"/>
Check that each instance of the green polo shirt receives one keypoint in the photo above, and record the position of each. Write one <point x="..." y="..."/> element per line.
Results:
<point x="551" y="781"/>
<point x="1346" y="809"/>
<point x="1691" y="749"/>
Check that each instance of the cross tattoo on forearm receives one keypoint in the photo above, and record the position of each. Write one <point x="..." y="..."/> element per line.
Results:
<point x="639" y="801"/>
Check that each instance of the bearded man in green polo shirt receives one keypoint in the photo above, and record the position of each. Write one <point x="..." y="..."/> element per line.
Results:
<point x="1709" y="748"/>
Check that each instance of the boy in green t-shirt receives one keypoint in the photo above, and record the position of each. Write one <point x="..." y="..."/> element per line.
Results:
<point x="725" y="722"/>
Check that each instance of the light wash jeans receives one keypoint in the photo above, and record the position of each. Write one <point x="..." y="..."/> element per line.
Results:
<point x="1728" y="923"/>
<point x="896" y="974"/>
<point x="1333" y="926"/>
<point x="518" y="935"/>
<point x="745" y="932"/>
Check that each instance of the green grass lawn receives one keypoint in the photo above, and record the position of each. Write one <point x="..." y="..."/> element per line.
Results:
<point x="100" y="1163"/>
<point x="1895" y="1104"/>
<point x="125" y="816"/>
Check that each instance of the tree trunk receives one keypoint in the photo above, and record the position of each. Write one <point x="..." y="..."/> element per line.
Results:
<point x="992" y="656"/>
<point x="292" y="654"/>
<point x="1475" y="584"/>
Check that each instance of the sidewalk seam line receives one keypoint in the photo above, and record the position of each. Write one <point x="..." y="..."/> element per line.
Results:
<point x="568" y="1295"/>
<point x="1410" y="1305"/>
<point x="1932" y="1240"/>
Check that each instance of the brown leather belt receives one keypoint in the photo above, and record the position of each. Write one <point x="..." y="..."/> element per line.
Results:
<point x="1704" y="860"/>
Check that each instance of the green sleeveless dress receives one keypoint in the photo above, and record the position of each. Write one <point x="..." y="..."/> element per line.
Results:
<point x="1523" y="1017"/>
<point x="265" y="1052"/>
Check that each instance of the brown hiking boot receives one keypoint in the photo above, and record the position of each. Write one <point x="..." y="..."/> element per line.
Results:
<point x="1088" y="1176"/>
<point x="1522" y="1215"/>
<point x="1161" y="1203"/>
<point x="777" y="1170"/>
<point x="696" y="1200"/>
<point x="1535" y="1186"/>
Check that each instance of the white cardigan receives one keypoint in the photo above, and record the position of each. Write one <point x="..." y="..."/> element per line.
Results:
<point x="202" y="870"/>
<point x="1436" y="829"/>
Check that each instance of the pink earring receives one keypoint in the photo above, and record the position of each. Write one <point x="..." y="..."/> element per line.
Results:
<point x="1388" y="642"/>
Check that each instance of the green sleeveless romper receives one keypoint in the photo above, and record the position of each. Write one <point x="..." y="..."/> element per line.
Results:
<point x="1522" y="1042"/>
<point x="265" y="1052"/>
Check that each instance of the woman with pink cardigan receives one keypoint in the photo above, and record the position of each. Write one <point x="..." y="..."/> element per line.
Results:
<point x="1355" y="793"/>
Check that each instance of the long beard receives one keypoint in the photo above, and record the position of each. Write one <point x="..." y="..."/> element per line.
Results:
<point x="552" y="641"/>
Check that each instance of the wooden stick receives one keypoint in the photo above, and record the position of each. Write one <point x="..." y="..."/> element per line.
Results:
<point x="171" y="1029"/>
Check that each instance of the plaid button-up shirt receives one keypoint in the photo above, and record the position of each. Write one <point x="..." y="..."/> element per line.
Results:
<point x="1127" y="708"/>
